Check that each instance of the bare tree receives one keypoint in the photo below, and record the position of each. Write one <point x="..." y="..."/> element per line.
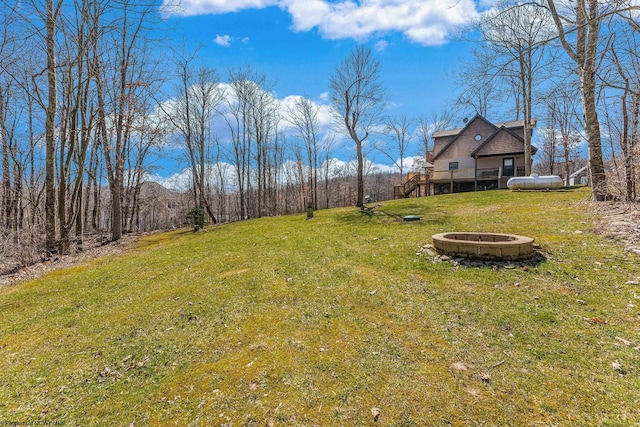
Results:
<point x="147" y="133"/>
<point x="479" y="87"/>
<point x="626" y="63"/>
<point x="304" y="116"/>
<point x="122" y="43"/>
<point x="428" y="125"/>
<point x="397" y="128"/>
<point x="264" y="120"/>
<point x="561" y="136"/>
<point x="51" y="19"/>
<point x="564" y="112"/>
<point x="252" y="121"/>
<point x="199" y="97"/>
<point x="12" y="168"/>
<point x="238" y="122"/>
<point x="38" y="21"/>
<point x="328" y="146"/>
<point x="517" y="37"/>
<point x="358" y="97"/>
<point x="579" y="25"/>
<point x="7" y="195"/>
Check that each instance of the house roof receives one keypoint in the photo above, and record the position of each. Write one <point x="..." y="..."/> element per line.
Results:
<point x="450" y="132"/>
<point x="460" y="132"/>
<point x="506" y="126"/>
<point x="514" y="124"/>
<point x="428" y="165"/>
<point x="501" y="129"/>
<point x="579" y="171"/>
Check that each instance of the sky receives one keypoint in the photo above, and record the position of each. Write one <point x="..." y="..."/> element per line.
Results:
<point x="297" y="44"/>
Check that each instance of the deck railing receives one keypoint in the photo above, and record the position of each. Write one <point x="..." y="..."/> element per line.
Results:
<point x="411" y="184"/>
<point x="456" y="174"/>
<point x="470" y="173"/>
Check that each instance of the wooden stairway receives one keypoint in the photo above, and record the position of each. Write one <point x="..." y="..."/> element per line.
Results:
<point x="415" y="180"/>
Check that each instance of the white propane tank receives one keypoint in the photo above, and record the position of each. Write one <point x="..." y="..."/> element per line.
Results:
<point x="535" y="182"/>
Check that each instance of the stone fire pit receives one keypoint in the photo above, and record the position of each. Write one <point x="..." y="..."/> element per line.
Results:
<point x="485" y="246"/>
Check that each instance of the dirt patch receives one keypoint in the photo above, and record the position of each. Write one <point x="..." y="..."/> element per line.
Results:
<point x="95" y="247"/>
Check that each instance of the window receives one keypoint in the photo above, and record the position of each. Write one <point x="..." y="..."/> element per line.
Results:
<point x="453" y="166"/>
<point x="507" y="167"/>
<point x="478" y="137"/>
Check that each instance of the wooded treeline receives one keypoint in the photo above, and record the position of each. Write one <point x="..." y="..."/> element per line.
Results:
<point x="575" y="66"/>
<point x="85" y="102"/>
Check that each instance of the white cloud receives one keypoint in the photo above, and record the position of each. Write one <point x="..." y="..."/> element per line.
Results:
<point x="204" y="7"/>
<point x="428" y="22"/>
<point x="325" y="112"/>
<point x="223" y="40"/>
<point x="245" y="40"/>
<point x="183" y="180"/>
<point x="381" y="45"/>
<point x="329" y="134"/>
<point x="392" y="105"/>
<point x="179" y="181"/>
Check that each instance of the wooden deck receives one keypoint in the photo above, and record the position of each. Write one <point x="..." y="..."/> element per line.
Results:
<point x="416" y="185"/>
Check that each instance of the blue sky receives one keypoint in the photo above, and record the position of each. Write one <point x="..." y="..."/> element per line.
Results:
<point x="297" y="43"/>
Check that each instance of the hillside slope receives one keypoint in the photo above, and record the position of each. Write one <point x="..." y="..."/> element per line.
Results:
<point x="282" y="321"/>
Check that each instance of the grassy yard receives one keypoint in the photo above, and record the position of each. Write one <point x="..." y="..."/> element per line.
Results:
<point x="287" y="322"/>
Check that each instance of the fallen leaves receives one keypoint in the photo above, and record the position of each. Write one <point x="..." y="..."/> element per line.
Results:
<point x="108" y="372"/>
<point x="629" y="343"/>
<point x="618" y="367"/>
<point x="126" y="364"/>
<point x="485" y="377"/>
<point x="482" y="374"/>
<point x="376" y="414"/>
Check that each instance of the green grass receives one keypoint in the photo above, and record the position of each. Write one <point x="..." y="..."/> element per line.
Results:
<point x="282" y="321"/>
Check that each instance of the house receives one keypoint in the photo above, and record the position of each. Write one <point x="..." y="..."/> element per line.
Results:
<point x="480" y="156"/>
<point x="580" y="177"/>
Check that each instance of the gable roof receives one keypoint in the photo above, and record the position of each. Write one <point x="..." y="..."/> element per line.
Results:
<point x="516" y="124"/>
<point x="488" y="141"/>
<point x="460" y="132"/>
<point x="449" y="132"/>
<point x="579" y="171"/>
<point x="513" y="124"/>
<point x="508" y="127"/>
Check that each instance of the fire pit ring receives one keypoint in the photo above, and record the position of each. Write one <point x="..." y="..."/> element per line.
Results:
<point x="486" y="246"/>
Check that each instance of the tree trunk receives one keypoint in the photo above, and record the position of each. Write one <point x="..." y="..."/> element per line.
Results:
<point x="6" y="173"/>
<point x="592" y="130"/>
<point x="50" y="125"/>
<point x="633" y="141"/>
<point x="115" y="187"/>
<point x="584" y="54"/>
<point x="360" y="176"/>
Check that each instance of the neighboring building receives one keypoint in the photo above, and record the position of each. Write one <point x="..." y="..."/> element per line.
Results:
<point x="480" y="156"/>
<point x="580" y="177"/>
<point x="160" y="208"/>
